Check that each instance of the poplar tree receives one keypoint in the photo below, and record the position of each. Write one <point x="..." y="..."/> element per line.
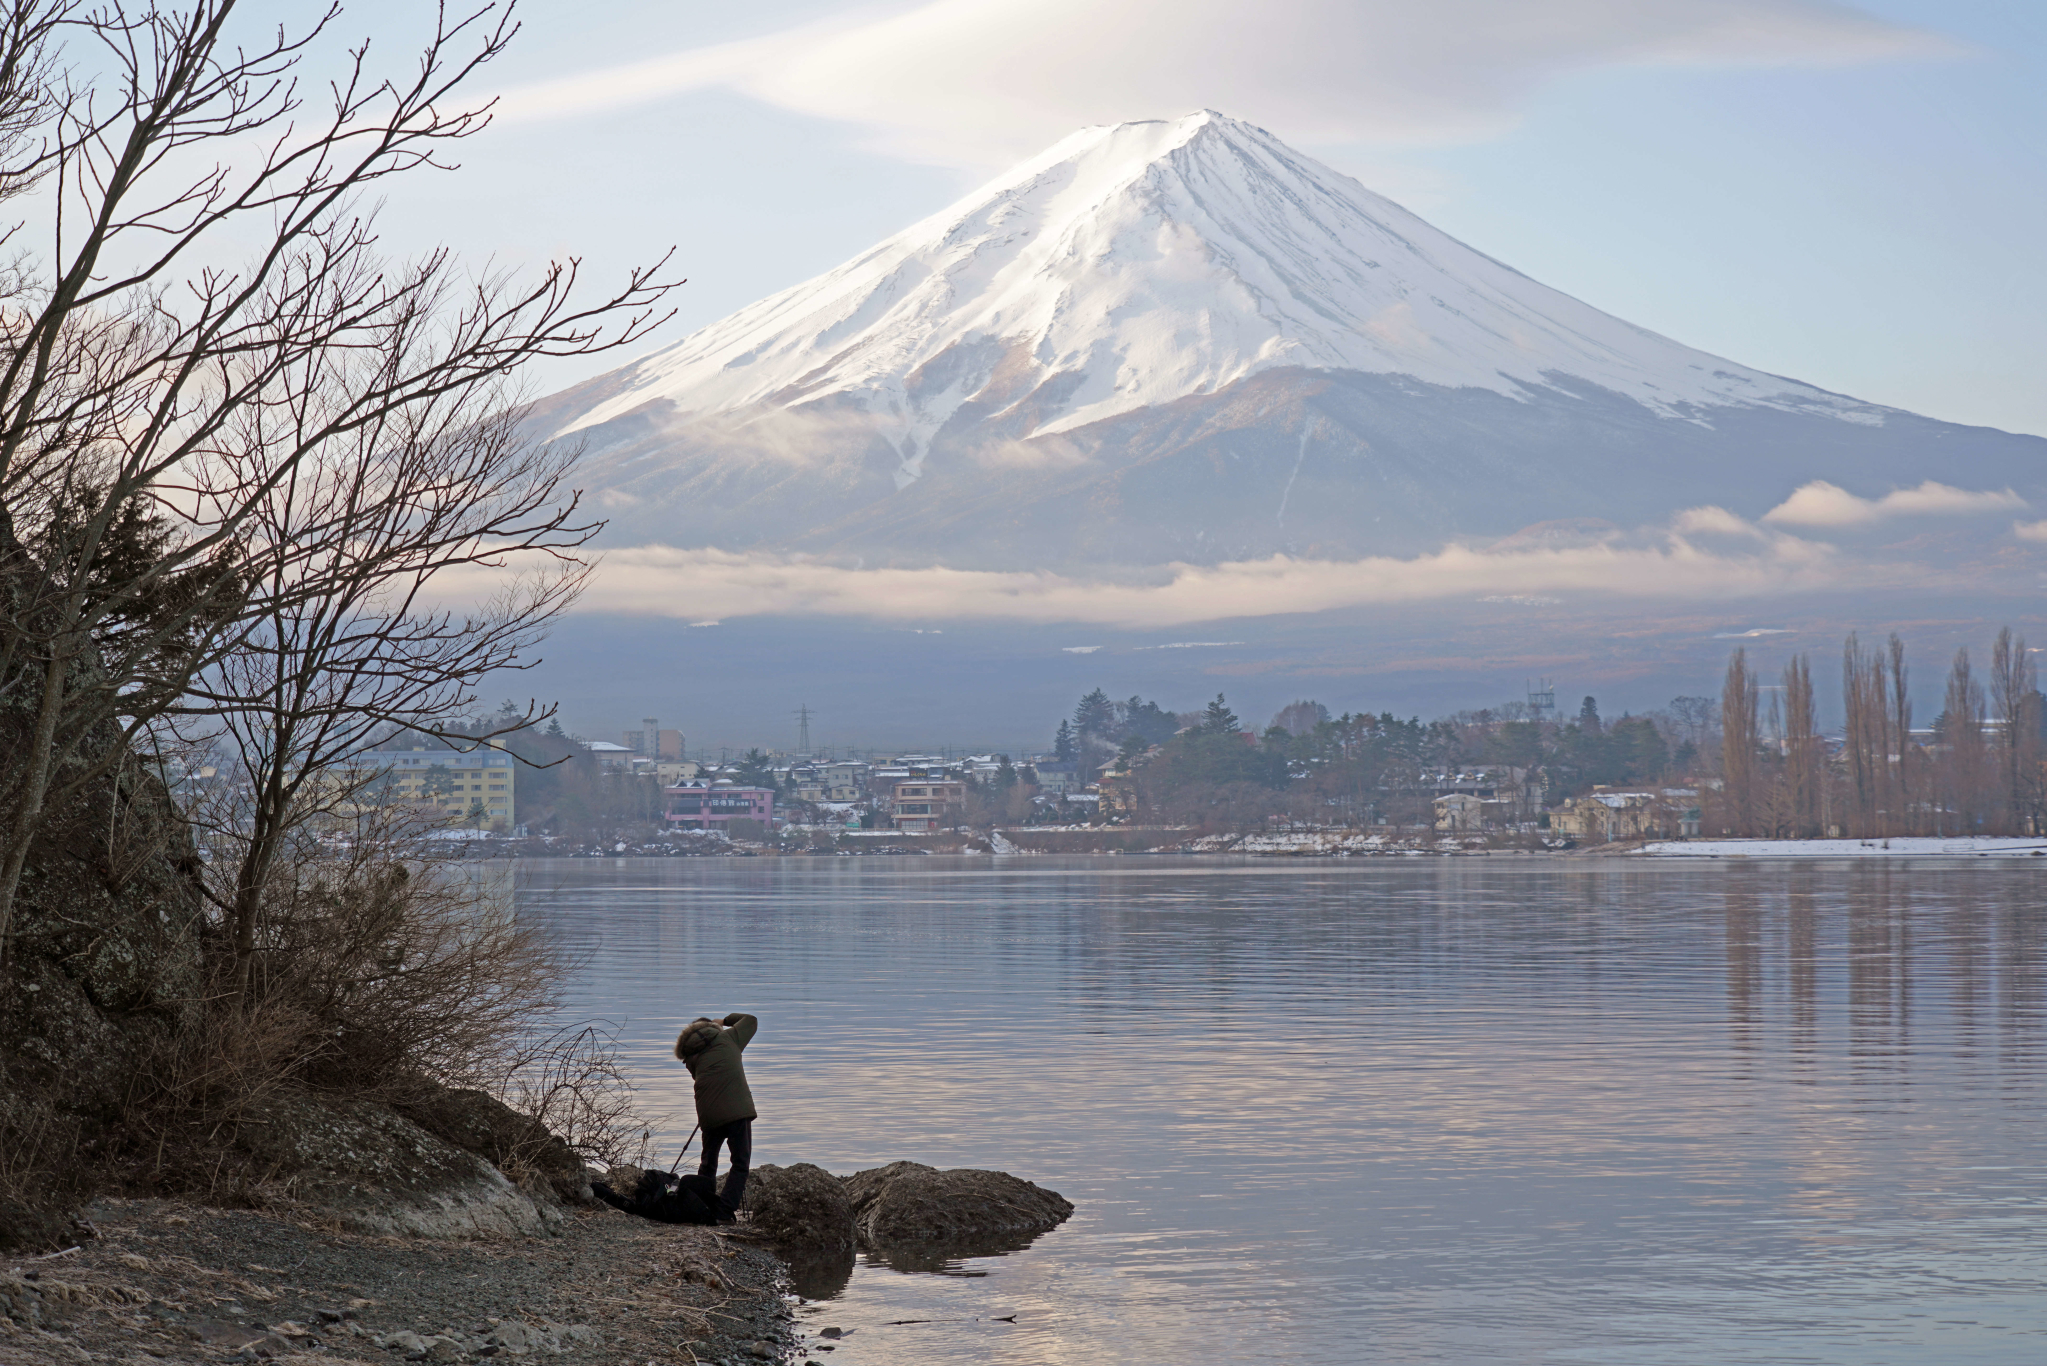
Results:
<point x="1803" y="754"/>
<point x="1738" y="740"/>
<point x="1962" y="750"/>
<point x="2014" y="692"/>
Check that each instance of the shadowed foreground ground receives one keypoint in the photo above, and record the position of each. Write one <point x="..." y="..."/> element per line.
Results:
<point x="172" y="1282"/>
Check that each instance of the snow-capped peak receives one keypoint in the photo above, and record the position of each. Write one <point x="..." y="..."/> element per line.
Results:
<point x="1131" y="265"/>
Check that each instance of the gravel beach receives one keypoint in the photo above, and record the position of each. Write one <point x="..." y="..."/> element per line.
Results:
<point x="165" y="1281"/>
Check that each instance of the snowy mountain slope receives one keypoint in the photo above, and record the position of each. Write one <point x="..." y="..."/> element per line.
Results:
<point x="1182" y="339"/>
<point x="1140" y="263"/>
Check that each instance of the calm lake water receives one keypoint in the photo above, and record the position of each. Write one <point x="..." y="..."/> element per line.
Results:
<point x="1425" y="1110"/>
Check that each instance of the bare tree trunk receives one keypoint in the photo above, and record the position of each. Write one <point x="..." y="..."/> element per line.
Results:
<point x="32" y="790"/>
<point x="267" y="823"/>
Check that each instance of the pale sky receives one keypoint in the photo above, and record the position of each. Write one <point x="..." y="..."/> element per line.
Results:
<point x="1851" y="195"/>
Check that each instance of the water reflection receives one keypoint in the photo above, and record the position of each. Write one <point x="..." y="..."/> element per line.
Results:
<point x="1453" y="1110"/>
<point x="818" y="1274"/>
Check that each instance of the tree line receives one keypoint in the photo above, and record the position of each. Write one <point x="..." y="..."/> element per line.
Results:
<point x="1756" y="756"/>
<point x="1976" y="769"/>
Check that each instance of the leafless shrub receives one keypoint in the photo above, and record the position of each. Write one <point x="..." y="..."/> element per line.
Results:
<point x="570" y="1080"/>
<point x="379" y="974"/>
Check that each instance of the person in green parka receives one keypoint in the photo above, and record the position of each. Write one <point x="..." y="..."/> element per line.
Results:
<point x="710" y="1049"/>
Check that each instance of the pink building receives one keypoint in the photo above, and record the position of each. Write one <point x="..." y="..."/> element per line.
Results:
<point x="695" y="807"/>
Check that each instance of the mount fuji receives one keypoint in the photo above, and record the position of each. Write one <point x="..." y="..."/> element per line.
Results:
<point x="1183" y="341"/>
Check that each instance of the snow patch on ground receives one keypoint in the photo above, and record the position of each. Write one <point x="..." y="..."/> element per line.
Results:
<point x="1917" y="846"/>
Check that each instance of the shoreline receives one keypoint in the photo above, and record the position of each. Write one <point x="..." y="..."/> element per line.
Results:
<point x="179" y="1282"/>
<point x="1894" y="846"/>
<point x="1339" y="845"/>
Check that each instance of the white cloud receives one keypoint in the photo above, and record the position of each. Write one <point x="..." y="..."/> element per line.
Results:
<point x="1821" y="504"/>
<point x="982" y="82"/>
<point x="708" y="584"/>
<point x="1715" y="521"/>
<point x="2030" y="531"/>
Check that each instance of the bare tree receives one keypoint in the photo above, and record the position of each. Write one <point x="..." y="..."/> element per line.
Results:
<point x="1696" y="718"/>
<point x="1900" y="719"/>
<point x="1866" y="739"/>
<point x="400" y="507"/>
<point x="1963" y="760"/>
<point x="1738" y="743"/>
<point x="1804" y="766"/>
<point x="1300" y="718"/>
<point x="153" y="402"/>
<point x="2014" y="691"/>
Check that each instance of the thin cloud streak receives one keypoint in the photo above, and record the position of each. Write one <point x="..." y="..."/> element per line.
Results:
<point x="695" y="584"/>
<point x="979" y="83"/>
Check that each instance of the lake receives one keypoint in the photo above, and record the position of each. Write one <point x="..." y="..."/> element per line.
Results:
<point x="1400" y="1110"/>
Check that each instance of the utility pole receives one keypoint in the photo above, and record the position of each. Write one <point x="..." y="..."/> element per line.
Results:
<point x="803" y="730"/>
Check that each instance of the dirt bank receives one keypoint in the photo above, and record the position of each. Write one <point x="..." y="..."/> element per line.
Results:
<point x="179" y="1283"/>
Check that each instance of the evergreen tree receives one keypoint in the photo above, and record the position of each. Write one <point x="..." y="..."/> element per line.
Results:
<point x="554" y="727"/>
<point x="1095" y="716"/>
<point x="1516" y="743"/>
<point x="1588" y="717"/>
<point x="1219" y="719"/>
<point x="1638" y="753"/>
<point x="1148" y="721"/>
<point x="1063" y="744"/>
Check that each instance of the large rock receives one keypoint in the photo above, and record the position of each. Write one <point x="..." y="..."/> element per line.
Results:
<point x="804" y="1213"/>
<point x="518" y="1145"/>
<point x="372" y="1171"/>
<point x="803" y="1206"/>
<point x="105" y="967"/>
<point x="965" y="1208"/>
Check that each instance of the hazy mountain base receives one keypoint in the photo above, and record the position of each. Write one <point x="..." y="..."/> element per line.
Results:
<point x="1004" y="686"/>
<point x="1321" y="464"/>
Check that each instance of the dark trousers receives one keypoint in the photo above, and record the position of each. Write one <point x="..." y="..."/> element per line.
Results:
<point x="738" y="1140"/>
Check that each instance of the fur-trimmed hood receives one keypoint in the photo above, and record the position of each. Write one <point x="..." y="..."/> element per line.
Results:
<point x="711" y="1050"/>
<point x="699" y="1035"/>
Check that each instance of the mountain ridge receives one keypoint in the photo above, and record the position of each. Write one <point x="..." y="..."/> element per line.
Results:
<point x="1137" y="345"/>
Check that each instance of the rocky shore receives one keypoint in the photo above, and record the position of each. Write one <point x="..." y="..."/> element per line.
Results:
<point x="171" y="1282"/>
<point x="160" y="1281"/>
